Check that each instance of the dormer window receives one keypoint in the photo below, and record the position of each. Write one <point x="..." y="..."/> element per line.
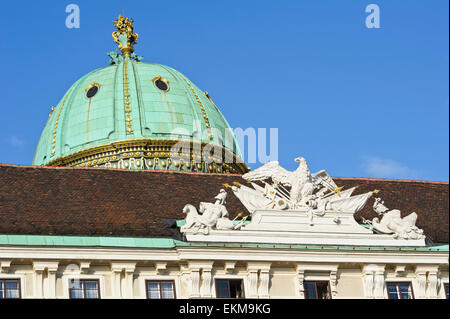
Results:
<point x="161" y="83"/>
<point x="92" y="90"/>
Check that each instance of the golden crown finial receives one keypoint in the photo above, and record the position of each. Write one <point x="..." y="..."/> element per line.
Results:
<point x="124" y="36"/>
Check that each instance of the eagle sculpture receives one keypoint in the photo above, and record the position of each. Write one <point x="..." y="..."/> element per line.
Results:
<point x="301" y="181"/>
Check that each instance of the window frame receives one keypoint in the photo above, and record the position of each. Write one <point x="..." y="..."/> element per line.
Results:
<point x="142" y="287"/>
<point x="446" y="294"/>
<point x="162" y="79"/>
<point x="316" y="281"/>
<point x="228" y="279"/>
<point x="397" y="283"/>
<point x="19" y="285"/>
<point x="84" y="287"/>
<point x="159" y="281"/>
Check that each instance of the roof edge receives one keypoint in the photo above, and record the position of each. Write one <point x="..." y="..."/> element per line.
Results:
<point x="390" y="180"/>
<point x="144" y="242"/>
<point x="202" y="173"/>
<point x="115" y="169"/>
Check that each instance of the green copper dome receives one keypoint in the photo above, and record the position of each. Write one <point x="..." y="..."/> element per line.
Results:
<point x="133" y="104"/>
<point x="138" y="115"/>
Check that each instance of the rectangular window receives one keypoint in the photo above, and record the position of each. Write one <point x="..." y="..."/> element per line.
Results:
<point x="9" y="288"/>
<point x="399" y="290"/>
<point x="317" y="290"/>
<point x="446" y="290"/>
<point x="160" y="289"/>
<point x="229" y="288"/>
<point x="84" y="289"/>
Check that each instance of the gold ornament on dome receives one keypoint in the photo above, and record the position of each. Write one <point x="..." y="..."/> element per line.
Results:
<point x="114" y="152"/>
<point x="51" y="111"/>
<point x="124" y="36"/>
<point x="92" y="85"/>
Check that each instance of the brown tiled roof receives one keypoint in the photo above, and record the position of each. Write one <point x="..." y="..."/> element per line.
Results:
<point x="113" y="202"/>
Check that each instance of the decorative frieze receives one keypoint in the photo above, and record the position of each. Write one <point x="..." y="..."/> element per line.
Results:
<point x="205" y="289"/>
<point x="427" y="279"/>
<point x="156" y="155"/>
<point x="421" y="280"/>
<point x="161" y="268"/>
<point x="122" y="279"/>
<point x="42" y="270"/>
<point x="264" y="279"/>
<point x="300" y="282"/>
<point x="258" y="279"/>
<point x="374" y="280"/>
<point x="433" y="285"/>
<point x="229" y="266"/>
<point x="333" y="283"/>
<point x="252" y="291"/>
<point x="195" y="282"/>
<point x="197" y="277"/>
<point x="4" y="266"/>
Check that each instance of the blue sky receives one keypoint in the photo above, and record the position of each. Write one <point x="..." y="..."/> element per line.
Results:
<point x="358" y="102"/>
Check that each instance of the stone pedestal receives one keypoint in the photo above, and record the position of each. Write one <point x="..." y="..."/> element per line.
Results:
<point x="297" y="227"/>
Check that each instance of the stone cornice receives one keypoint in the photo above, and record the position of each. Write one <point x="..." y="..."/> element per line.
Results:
<point x="200" y="255"/>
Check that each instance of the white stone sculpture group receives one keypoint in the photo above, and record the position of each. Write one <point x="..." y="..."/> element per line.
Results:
<point x="209" y="216"/>
<point x="392" y="223"/>
<point x="317" y="192"/>
<point x="298" y="192"/>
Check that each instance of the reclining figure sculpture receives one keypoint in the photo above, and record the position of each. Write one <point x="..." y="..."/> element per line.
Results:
<point x="392" y="223"/>
<point x="209" y="216"/>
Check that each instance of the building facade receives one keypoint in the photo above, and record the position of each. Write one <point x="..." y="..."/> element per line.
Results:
<point x="130" y="267"/>
<point x="138" y="190"/>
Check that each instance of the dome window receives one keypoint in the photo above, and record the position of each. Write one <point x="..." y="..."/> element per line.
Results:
<point x="161" y="83"/>
<point x="92" y="90"/>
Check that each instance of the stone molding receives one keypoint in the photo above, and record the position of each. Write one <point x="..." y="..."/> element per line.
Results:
<point x="122" y="281"/>
<point x="45" y="270"/>
<point x="258" y="276"/>
<point x="427" y="277"/>
<point x="374" y="280"/>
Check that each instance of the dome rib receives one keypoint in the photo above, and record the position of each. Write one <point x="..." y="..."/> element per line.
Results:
<point x="139" y="99"/>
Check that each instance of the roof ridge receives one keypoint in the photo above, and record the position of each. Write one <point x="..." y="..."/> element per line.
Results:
<point x="114" y="169"/>
<point x="202" y="173"/>
<point x="391" y="180"/>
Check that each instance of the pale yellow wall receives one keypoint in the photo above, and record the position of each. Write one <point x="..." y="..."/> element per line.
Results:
<point x="284" y="282"/>
<point x="282" y="285"/>
<point x="29" y="291"/>
<point x="350" y="284"/>
<point x="59" y="287"/>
